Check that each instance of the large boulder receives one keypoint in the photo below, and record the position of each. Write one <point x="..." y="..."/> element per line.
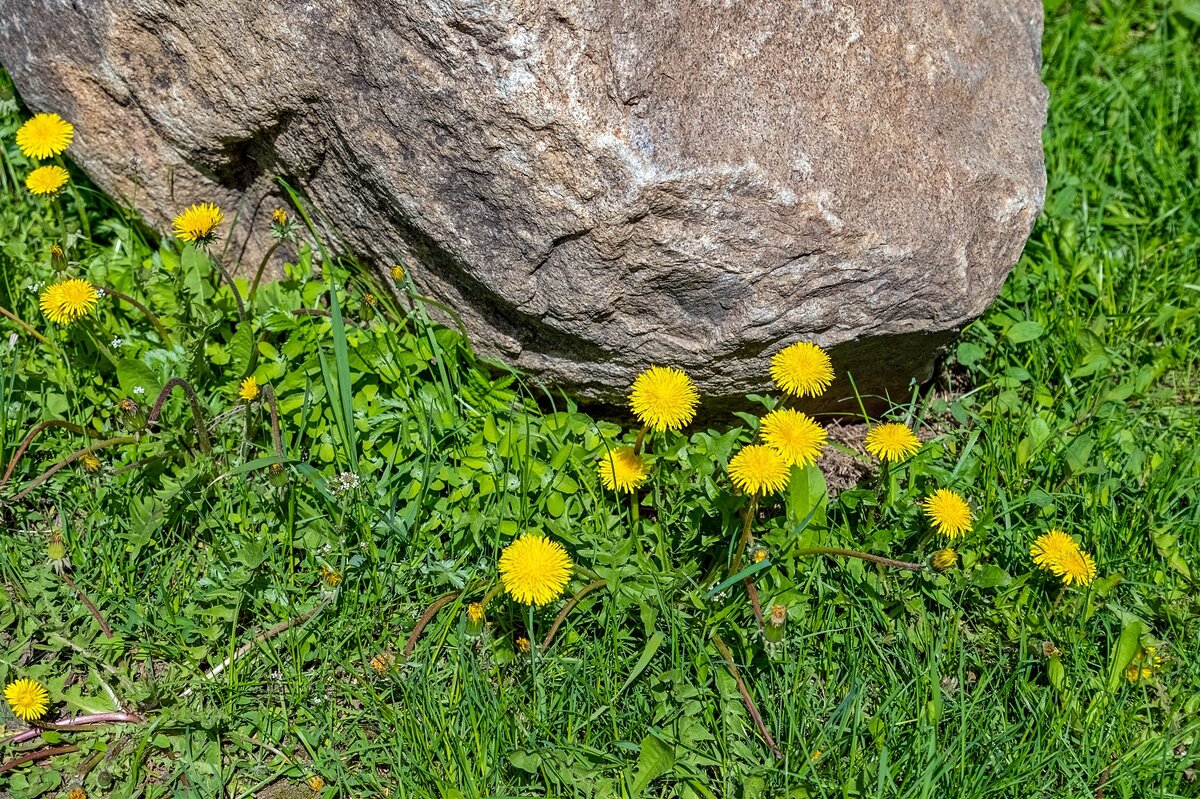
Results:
<point x="594" y="186"/>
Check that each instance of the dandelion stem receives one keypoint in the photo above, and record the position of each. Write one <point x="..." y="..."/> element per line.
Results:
<point x="727" y="656"/>
<point x="193" y="400"/>
<point x="216" y="261"/>
<point x="67" y="461"/>
<point x="26" y="327"/>
<point x="853" y="553"/>
<point x="567" y="608"/>
<point x="76" y="723"/>
<point x="258" y="275"/>
<point x="273" y="406"/>
<point x="158" y="326"/>
<point x="744" y="541"/>
<point x="30" y="436"/>
<point x="108" y="633"/>
<point x="427" y="617"/>
<point x="637" y="445"/>
<point x="40" y="754"/>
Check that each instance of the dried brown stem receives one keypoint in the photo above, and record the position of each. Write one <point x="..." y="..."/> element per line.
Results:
<point x="752" y="592"/>
<point x="853" y="553"/>
<point x="40" y="754"/>
<point x="94" y="611"/>
<point x="193" y="400"/>
<point x="727" y="656"/>
<point x="67" y="461"/>
<point x="567" y="608"/>
<point x="272" y="405"/>
<point x="283" y="626"/>
<point x="28" y="329"/>
<point x="87" y="722"/>
<point x="30" y="436"/>
<point x="427" y="617"/>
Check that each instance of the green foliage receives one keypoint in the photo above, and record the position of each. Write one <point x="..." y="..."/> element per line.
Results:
<point x="406" y="462"/>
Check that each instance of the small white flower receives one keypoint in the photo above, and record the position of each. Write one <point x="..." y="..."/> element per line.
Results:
<point x="117" y="342"/>
<point x="35" y="287"/>
<point x="139" y="390"/>
<point x="99" y="294"/>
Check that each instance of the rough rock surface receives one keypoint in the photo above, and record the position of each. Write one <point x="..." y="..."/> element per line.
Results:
<point x="595" y="186"/>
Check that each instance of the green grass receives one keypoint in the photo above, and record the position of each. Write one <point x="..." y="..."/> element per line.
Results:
<point x="984" y="681"/>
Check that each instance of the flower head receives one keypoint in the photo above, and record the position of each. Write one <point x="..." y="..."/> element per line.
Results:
<point x="279" y="217"/>
<point x="45" y="135"/>
<point x="330" y="576"/>
<point x="382" y="662"/>
<point x="397" y="272"/>
<point x="664" y="398"/>
<point x="198" y="223"/>
<point x="77" y="793"/>
<point x="523" y="645"/>
<point x="1057" y="553"/>
<point x="621" y="470"/>
<point x="794" y="435"/>
<point x="47" y="179"/>
<point x="68" y="300"/>
<point x="315" y="783"/>
<point x="27" y="698"/>
<point x="945" y="559"/>
<point x="759" y="470"/>
<point x="949" y="512"/>
<point x="802" y="370"/>
<point x="534" y="569"/>
<point x="370" y="299"/>
<point x="475" y="612"/>
<point x="892" y="442"/>
<point x="249" y="389"/>
<point x="90" y="463"/>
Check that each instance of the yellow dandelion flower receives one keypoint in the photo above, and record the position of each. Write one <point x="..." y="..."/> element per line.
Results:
<point x="759" y="470"/>
<point x="534" y="569"/>
<point x="382" y="662"/>
<point x="892" y="442"/>
<point x="802" y="370"/>
<point x="759" y="555"/>
<point x="45" y="135"/>
<point x="945" y="559"/>
<point x="664" y="398"/>
<point x="331" y="576"/>
<point x="77" y="793"/>
<point x="621" y="470"/>
<point x="1057" y="553"/>
<point x="47" y="179"/>
<point x="949" y="512"/>
<point x="315" y="783"/>
<point x="249" y="389"/>
<point x="68" y="300"/>
<point x="27" y="698"/>
<point x="90" y="463"/>
<point x="794" y="435"/>
<point x="279" y="217"/>
<point x="370" y="299"/>
<point x="397" y="272"/>
<point x="198" y="223"/>
<point x="523" y="645"/>
<point x="475" y="612"/>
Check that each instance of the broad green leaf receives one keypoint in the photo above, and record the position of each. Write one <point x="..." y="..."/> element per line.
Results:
<point x="654" y="760"/>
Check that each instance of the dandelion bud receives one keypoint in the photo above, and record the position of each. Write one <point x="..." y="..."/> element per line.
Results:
<point x="945" y="559"/>
<point x="316" y="783"/>
<point x="58" y="258"/>
<point x="523" y="645"/>
<point x="775" y="621"/>
<point x="279" y="217"/>
<point x="759" y="555"/>
<point x="383" y="662"/>
<point x="330" y="576"/>
<point x="474" y="618"/>
<point x="56" y="553"/>
<point x="277" y="475"/>
<point x="281" y="226"/>
<point x="397" y="272"/>
<point x="133" y="414"/>
<point x="90" y="463"/>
